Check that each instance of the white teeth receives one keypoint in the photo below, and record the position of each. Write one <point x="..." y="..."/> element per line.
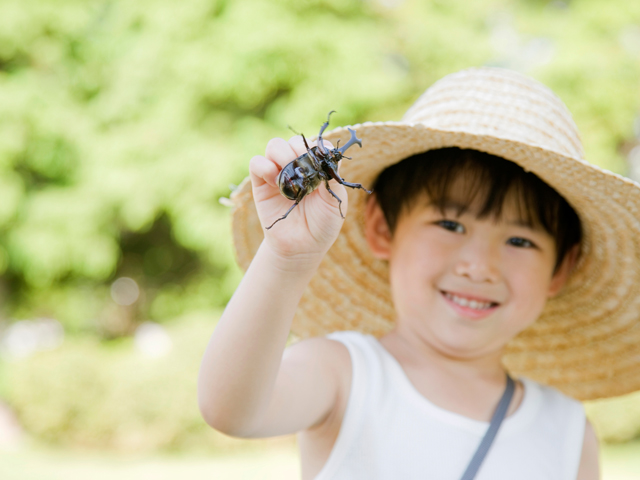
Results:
<point x="468" y="303"/>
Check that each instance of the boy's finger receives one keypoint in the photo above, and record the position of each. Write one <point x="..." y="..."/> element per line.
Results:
<point x="297" y="143"/>
<point x="262" y="170"/>
<point x="280" y="151"/>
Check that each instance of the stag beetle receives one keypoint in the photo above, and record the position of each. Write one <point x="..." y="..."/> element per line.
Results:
<point x="302" y="176"/>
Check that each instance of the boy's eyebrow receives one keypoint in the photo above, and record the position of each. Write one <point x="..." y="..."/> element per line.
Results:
<point x="449" y="204"/>
<point x="524" y="224"/>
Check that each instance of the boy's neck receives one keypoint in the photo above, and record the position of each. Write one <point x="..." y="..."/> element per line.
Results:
<point x="412" y="348"/>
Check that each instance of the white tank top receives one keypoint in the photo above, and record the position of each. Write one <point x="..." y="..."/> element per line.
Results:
<point x="391" y="432"/>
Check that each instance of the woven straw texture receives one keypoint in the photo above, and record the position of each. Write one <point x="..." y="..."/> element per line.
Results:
<point x="587" y="341"/>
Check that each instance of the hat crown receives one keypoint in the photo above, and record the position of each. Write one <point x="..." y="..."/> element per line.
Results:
<point x="500" y="103"/>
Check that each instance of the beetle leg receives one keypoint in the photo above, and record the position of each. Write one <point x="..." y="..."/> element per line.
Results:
<point x="326" y="183"/>
<point x="337" y="178"/>
<point x="312" y="156"/>
<point x="314" y="160"/>
<point x="302" y="194"/>
<point x="305" y="142"/>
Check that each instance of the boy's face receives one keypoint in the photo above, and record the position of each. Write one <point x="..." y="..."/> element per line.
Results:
<point x="465" y="285"/>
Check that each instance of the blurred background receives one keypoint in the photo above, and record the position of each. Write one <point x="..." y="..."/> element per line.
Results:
<point x="122" y="124"/>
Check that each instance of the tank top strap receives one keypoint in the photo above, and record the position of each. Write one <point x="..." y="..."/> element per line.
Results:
<point x="389" y="430"/>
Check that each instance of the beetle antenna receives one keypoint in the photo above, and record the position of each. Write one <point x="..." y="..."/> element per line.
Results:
<point x="338" y="144"/>
<point x="348" y="158"/>
<point x="291" y="128"/>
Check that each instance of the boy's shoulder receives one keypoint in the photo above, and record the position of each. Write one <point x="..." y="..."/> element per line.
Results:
<point x="327" y="348"/>
<point x="332" y="349"/>
<point x="329" y="362"/>
<point x="552" y="396"/>
<point x="331" y="356"/>
<point x="325" y="354"/>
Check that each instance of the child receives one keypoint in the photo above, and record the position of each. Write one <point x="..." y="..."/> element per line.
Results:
<point x="489" y="245"/>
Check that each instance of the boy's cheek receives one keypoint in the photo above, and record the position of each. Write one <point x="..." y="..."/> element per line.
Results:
<point x="532" y="299"/>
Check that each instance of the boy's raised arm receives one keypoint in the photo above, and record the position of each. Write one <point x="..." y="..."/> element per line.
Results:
<point x="245" y="386"/>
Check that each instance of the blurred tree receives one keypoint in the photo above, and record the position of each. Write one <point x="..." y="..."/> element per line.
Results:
<point x="122" y="123"/>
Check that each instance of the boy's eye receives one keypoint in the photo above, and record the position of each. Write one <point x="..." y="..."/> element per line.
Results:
<point x="521" y="242"/>
<point x="451" y="226"/>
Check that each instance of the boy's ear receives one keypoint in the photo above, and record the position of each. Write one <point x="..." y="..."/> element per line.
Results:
<point x="377" y="230"/>
<point x="561" y="276"/>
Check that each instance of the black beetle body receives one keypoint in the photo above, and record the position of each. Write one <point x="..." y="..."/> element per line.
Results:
<point x="292" y="181"/>
<point x="303" y="175"/>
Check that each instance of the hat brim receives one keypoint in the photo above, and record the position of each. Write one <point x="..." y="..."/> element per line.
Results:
<point x="587" y="341"/>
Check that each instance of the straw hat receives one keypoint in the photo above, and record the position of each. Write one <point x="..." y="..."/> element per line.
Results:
<point x="587" y="341"/>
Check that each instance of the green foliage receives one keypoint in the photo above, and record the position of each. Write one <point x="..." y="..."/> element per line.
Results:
<point x="122" y="123"/>
<point x="616" y="420"/>
<point x="93" y="395"/>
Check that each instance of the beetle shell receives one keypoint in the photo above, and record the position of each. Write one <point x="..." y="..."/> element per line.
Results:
<point x="287" y="183"/>
<point x="291" y="183"/>
<point x="302" y="176"/>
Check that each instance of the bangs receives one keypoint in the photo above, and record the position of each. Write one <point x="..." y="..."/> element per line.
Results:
<point x="469" y="181"/>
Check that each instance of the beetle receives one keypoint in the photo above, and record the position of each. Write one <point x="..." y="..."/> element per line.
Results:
<point x="303" y="175"/>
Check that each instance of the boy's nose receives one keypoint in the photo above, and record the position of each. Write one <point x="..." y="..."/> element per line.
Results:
<point x="476" y="272"/>
<point x="478" y="265"/>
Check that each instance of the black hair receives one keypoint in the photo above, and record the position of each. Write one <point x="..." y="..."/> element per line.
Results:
<point x="488" y="181"/>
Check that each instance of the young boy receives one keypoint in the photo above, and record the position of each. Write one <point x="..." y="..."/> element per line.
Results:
<point x="488" y="246"/>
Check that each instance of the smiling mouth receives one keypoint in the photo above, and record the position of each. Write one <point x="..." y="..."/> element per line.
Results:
<point x="472" y="303"/>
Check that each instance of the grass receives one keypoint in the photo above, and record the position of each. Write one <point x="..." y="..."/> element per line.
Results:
<point x="618" y="462"/>
<point x="278" y="464"/>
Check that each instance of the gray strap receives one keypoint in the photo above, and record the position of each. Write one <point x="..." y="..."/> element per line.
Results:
<point x="486" y="442"/>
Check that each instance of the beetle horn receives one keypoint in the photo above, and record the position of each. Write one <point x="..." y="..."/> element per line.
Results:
<point x="320" y="144"/>
<point x="351" y="141"/>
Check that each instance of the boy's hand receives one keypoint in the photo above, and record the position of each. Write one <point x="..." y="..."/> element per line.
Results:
<point x="246" y="387"/>
<point x="311" y="227"/>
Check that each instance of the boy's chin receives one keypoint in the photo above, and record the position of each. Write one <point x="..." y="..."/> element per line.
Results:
<point x="467" y="344"/>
